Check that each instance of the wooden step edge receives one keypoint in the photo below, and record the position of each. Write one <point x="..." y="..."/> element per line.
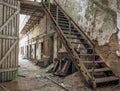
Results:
<point x="88" y="54"/>
<point x="67" y="30"/>
<point x="72" y="33"/>
<point x="106" y="79"/>
<point x="99" y="69"/>
<point x="73" y="37"/>
<point x="79" y="42"/>
<point x="61" y="19"/>
<point x="63" y="22"/>
<point x="90" y="62"/>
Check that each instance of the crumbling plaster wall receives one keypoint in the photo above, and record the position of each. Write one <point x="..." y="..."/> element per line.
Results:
<point x="98" y="19"/>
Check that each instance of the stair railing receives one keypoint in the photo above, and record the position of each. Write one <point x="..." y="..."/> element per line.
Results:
<point x="71" y="21"/>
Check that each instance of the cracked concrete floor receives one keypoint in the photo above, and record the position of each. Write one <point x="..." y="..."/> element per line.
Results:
<point x="32" y="78"/>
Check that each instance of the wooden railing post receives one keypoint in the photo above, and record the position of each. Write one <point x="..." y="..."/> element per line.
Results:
<point x="57" y="14"/>
<point x="93" y="59"/>
<point x="70" y="31"/>
<point x="49" y="4"/>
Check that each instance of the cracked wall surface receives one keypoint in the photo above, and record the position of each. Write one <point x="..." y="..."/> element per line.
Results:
<point x="98" y="19"/>
<point x="94" y="21"/>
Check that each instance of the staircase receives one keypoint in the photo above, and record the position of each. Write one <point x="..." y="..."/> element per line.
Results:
<point x="80" y="48"/>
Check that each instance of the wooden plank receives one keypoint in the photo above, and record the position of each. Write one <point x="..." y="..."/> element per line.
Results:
<point x="106" y="79"/>
<point x="3" y="87"/>
<point x="2" y="27"/>
<point x="9" y="69"/>
<point x="1" y="61"/>
<point x="9" y="5"/>
<point x="31" y="3"/>
<point x="3" y="47"/>
<point x="100" y="69"/>
<point x="8" y="37"/>
<point x="17" y="48"/>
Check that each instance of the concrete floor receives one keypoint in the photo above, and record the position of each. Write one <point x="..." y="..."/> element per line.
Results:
<point x="33" y="78"/>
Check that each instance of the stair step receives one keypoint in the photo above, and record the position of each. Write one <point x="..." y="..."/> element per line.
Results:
<point x="72" y="33"/>
<point x="59" y="16"/>
<point x="52" y="7"/>
<point x="90" y="62"/>
<point x="53" y="11"/>
<point x="83" y="49"/>
<point x="73" y="36"/>
<point x="62" y="19"/>
<point x="99" y="69"/>
<point x="63" y="22"/>
<point x="88" y="55"/>
<point x="62" y="16"/>
<point x="106" y="79"/>
<point x="63" y="25"/>
<point x="78" y="42"/>
<point x="65" y="29"/>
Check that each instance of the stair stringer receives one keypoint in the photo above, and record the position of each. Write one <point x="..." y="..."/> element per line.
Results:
<point x="73" y="55"/>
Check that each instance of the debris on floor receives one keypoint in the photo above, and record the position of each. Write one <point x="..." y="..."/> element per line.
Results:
<point x="33" y="78"/>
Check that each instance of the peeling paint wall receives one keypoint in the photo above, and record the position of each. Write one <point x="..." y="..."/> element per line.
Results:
<point x="94" y="21"/>
<point x="98" y="19"/>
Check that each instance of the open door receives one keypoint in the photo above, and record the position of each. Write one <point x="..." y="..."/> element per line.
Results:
<point x="9" y="31"/>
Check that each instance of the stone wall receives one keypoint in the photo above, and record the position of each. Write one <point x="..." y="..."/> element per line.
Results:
<point x="98" y="19"/>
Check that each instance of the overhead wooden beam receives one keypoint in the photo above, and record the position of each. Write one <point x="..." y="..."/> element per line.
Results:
<point x="8" y="37"/>
<point x="31" y="3"/>
<point x="3" y="26"/>
<point x="9" y="5"/>
<point x="8" y="52"/>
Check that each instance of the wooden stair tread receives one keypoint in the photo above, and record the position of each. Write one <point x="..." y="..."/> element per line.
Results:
<point x="72" y="33"/>
<point x="79" y="42"/>
<point x="63" y="22"/>
<point x="106" y="79"/>
<point x="90" y="62"/>
<point x="99" y="69"/>
<point x="74" y="37"/>
<point x="88" y="55"/>
<point x="71" y="29"/>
